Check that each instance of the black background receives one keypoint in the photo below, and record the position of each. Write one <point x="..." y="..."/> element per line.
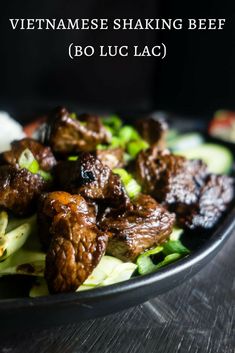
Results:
<point x="197" y="77"/>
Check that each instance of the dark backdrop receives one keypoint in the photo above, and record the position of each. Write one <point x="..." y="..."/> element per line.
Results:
<point x="198" y="75"/>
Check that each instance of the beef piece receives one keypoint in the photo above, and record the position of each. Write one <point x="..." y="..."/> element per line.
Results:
<point x="76" y="244"/>
<point x="67" y="135"/>
<point x="90" y="178"/>
<point x="19" y="189"/>
<point x="215" y="195"/>
<point x="42" y="154"/>
<point x="184" y="187"/>
<point x="153" y="131"/>
<point x="172" y="180"/>
<point x="49" y="205"/>
<point x="135" y="230"/>
<point x="113" y="158"/>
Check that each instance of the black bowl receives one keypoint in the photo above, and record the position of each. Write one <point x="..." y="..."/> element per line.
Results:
<point x="23" y="313"/>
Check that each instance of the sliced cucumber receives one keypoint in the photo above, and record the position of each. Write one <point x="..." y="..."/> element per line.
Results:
<point x="103" y="270"/>
<point x="110" y="270"/>
<point x="218" y="158"/>
<point x="185" y="141"/>
<point x="120" y="273"/>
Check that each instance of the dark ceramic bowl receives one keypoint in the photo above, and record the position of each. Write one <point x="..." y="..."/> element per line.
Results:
<point x="22" y="312"/>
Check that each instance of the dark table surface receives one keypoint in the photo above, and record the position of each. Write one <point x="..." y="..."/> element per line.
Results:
<point x="198" y="316"/>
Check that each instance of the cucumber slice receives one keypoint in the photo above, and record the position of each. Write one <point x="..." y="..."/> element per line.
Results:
<point x="103" y="270"/>
<point x="110" y="270"/>
<point x="218" y="158"/>
<point x="185" y="141"/>
<point x="120" y="273"/>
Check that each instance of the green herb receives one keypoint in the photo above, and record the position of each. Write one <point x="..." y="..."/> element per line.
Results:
<point x="73" y="116"/>
<point x="72" y="158"/>
<point x="172" y="251"/>
<point x="175" y="246"/>
<point x="130" y="184"/>
<point x="27" y="161"/>
<point x="113" y="122"/>
<point x="134" y="147"/>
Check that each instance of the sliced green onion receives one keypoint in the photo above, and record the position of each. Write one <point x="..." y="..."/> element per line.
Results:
<point x="144" y="262"/>
<point x="133" y="188"/>
<point x="27" y="161"/>
<point x="175" y="246"/>
<point x="101" y="147"/>
<point x="168" y="259"/>
<point x="45" y="175"/>
<point x="124" y="175"/>
<point x="171" y="250"/>
<point x="134" y="147"/>
<point x="72" y="158"/>
<point x="73" y="116"/>
<point x="128" y="133"/>
<point x="130" y="184"/>
<point x="112" y="121"/>
<point x="116" y="142"/>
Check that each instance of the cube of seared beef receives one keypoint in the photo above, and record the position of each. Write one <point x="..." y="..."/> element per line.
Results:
<point x="133" y="231"/>
<point x="41" y="153"/>
<point x="49" y="205"/>
<point x="184" y="187"/>
<point x="93" y="180"/>
<point x="66" y="134"/>
<point x="153" y="130"/>
<point x="172" y="180"/>
<point x="76" y="243"/>
<point x="113" y="158"/>
<point x="20" y="189"/>
<point x="215" y="196"/>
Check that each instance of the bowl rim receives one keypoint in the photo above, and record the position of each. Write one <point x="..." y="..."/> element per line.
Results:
<point x="212" y="245"/>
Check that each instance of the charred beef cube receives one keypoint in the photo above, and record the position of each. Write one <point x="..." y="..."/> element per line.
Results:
<point x="93" y="180"/>
<point x="184" y="187"/>
<point x="153" y="130"/>
<point x="20" y="189"/>
<point x="133" y="231"/>
<point x="76" y="244"/>
<point x="172" y="180"/>
<point x="42" y="154"/>
<point x="67" y="135"/>
<point x="49" y="205"/>
<point x="215" y="196"/>
<point x="113" y="158"/>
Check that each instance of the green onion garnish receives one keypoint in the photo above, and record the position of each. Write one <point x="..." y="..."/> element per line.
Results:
<point x="130" y="184"/>
<point x="27" y="161"/>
